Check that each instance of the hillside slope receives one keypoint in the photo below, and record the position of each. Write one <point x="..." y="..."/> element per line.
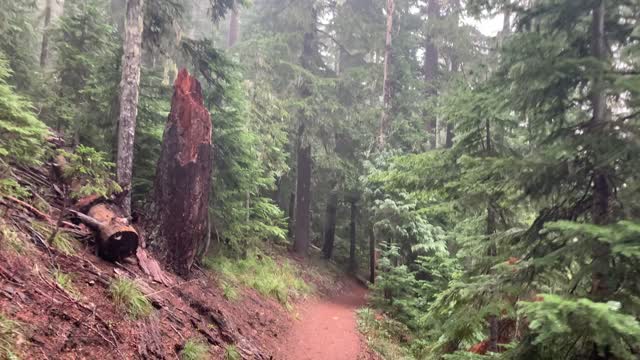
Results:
<point x="60" y="301"/>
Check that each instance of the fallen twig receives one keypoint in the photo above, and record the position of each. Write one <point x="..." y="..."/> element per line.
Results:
<point x="35" y="211"/>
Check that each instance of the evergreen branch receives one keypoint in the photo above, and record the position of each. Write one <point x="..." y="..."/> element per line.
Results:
<point x="342" y="47"/>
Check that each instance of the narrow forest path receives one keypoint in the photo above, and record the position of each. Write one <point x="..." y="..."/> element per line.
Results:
<point x="326" y="328"/>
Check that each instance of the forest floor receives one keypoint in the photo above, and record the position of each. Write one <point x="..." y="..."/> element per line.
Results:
<point x="82" y="321"/>
<point x="326" y="328"/>
<point x="60" y="302"/>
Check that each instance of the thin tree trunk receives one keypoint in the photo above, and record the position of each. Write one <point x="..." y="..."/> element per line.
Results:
<point x="129" y="92"/>
<point x="492" y="251"/>
<point x="448" y="143"/>
<point x="506" y="22"/>
<point x="493" y="319"/>
<point x="233" y="28"/>
<point x="292" y="216"/>
<point x="430" y="69"/>
<point x="352" y="237"/>
<point x="386" y="84"/>
<point x="303" y="168"/>
<point x="455" y="67"/>
<point x="601" y="286"/>
<point x="44" y="50"/>
<point x="303" y="201"/>
<point x="372" y="255"/>
<point x="330" y="225"/>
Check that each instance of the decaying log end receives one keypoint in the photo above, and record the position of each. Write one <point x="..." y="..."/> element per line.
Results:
<point x="117" y="239"/>
<point x="120" y="244"/>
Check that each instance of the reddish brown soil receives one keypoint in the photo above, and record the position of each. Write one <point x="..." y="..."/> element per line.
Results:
<point x="326" y="328"/>
<point x="84" y="323"/>
<point x="54" y="326"/>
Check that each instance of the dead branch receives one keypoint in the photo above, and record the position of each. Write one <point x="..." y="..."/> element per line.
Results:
<point x="35" y="211"/>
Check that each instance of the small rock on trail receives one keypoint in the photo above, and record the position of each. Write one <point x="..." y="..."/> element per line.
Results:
<point x="326" y="329"/>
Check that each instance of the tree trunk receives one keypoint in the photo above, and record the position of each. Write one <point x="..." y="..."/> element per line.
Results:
<point x="386" y="83"/>
<point x="506" y="22"/>
<point x="233" y="28"/>
<point x="492" y="251"/>
<point x="303" y="201"/>
<point x="430" y="69"/>
<point x="601" y="286"/>
<point x="292" y="217"/>
<point x="493" y="319"/>
<point x="372" y="255"/>
<point x="129" y="92"/>
<point x="352" y="237"/>
<point x="330" y="225"/>
<point x="455" y="67"/>
<point x="450" y="135"/>
<point x="44" y="50"/>
<point x="303" y="168"/>
<point x="183" y="176"/>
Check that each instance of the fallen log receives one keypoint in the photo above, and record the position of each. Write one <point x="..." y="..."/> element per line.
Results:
<point x="116" y="238"/>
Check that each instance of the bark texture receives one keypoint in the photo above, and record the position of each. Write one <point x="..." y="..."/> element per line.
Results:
<point x="352" y="237"/>
<point x="303" y="201"/>
<point x="386" y="84"/>
<point x="129" y="93"/>
<point x="330" y="225"/>
<point x="183" y="175"/>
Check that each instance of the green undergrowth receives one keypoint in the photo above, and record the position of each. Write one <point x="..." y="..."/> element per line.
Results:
<point x="280" y="280"/>
<point x="230" y="292"/>
<point x="194" y="349"/>
<point x="65" y="281"/>
<point x="62" y="242"/>
<point x="10" y="240"/>
<point x="126" y="295"/>
<point x="384" y="336"/>
<point x="232" y="353"/>
<point x="9" y="333"/>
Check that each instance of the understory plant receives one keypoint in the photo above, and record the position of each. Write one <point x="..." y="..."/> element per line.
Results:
<point x="194" y="349"/>
<point x="126" y="295"/>
<point x="259" y="271"/>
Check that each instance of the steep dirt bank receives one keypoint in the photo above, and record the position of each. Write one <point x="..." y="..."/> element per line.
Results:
<point x="56" y="324"/>
<point x="62" y="306"/>
<point x="86" y="324"/>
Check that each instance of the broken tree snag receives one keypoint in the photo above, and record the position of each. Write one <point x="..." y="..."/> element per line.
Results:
<point x="116" y="238"/>
<point x="183" y="176"/>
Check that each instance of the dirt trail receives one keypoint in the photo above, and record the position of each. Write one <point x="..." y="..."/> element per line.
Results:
<point x="326" y="329"/>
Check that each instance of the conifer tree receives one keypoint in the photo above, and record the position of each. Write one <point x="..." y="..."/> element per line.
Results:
<point x="129" y="93"/>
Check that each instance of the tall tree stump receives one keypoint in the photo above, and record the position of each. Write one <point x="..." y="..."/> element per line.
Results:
<point x="183" y="176"/>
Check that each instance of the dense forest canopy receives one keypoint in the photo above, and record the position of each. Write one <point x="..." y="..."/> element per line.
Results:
<point x="485" y="182"/>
